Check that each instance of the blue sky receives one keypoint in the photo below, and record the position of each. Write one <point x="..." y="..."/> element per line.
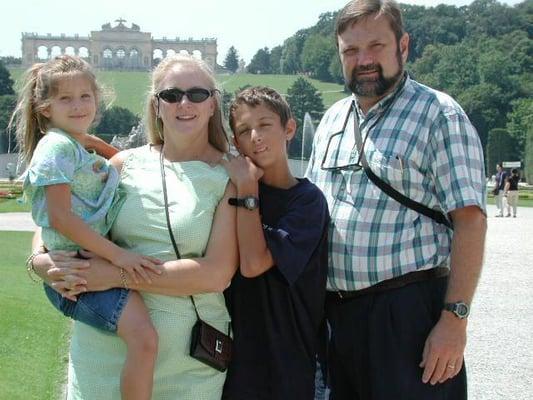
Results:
<point x="246" y="24"/>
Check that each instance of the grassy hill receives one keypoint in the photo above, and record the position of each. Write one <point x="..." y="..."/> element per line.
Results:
<point x="129" y="88"/>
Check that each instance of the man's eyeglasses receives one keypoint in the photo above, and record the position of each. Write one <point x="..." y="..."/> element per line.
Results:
<point x="330" y="160"/>
<point x="175" y="95"/>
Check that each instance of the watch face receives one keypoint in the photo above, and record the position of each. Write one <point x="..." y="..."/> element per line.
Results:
<point x="461" y="310"/>
<point x="250" y="203"/>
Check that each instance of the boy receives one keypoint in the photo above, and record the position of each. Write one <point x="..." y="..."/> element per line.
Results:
<point x="276" y="299"/>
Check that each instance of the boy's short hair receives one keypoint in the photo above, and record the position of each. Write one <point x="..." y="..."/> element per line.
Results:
<point x="261" y="95"/>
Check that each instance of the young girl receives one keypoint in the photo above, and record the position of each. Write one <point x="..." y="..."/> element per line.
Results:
<point x="75" y="199"/>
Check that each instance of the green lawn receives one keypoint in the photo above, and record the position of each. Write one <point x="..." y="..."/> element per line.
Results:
<point x="130" y="88"/>
<point x="12" y="205"/>
<point x="33" y="335"/>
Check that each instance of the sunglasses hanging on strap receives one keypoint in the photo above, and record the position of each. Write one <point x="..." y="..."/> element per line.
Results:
<point x="420" y="208"/>
<point x="208" y="344"/>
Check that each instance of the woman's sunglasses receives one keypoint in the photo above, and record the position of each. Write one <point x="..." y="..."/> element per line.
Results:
<point x="175" y="95"/>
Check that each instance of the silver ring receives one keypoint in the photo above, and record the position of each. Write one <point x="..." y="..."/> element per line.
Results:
<point x="451" y="366"/>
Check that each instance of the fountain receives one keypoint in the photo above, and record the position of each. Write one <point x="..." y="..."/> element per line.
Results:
<point x="135" y="138"/>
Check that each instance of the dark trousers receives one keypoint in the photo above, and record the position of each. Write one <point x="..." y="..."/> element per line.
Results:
<point x="377" y="342"/>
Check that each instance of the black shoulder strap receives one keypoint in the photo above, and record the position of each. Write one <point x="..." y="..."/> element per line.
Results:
<point x="435" y="215"/>
<point x="420" y="208"/>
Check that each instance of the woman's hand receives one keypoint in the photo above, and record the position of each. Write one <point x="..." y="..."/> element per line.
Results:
<point x="100" y="276"/>
<point x="63" y="271"/>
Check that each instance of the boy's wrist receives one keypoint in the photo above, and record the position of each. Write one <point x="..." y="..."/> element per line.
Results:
<point x="248" y="189"/>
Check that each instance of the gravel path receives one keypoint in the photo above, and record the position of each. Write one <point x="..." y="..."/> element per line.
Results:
<point x="499" y="354"/>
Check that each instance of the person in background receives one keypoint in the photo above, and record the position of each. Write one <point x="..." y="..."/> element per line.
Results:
<point x="511" y="192"/>
<point x="499" y="189"/>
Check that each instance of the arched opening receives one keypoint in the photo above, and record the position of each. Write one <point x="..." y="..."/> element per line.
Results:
<point x="134" y="59"/>
<point x="83" y="52"/>
<point x="107" y="58"/>
<point x="69" y="50"/>
<point x="120" y="61"/>
<point x="56" y="51"/>
<point x="170" y="53"/>
<point x="42" y="53"/>
<point x="197" y="54"/>
<point x="184" y="52"/>
<point x="157" y="57"/>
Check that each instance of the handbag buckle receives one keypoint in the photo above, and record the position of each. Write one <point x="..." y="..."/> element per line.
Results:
<point x="218" y="346"/>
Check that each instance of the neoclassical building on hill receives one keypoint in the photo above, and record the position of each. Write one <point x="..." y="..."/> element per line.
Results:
<point x="115" y="47"/>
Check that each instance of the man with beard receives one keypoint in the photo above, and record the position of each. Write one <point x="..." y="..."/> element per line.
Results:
<point x="402" y="270"/>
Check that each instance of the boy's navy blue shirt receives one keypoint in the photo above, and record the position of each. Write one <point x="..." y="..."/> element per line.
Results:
<point x="277" y="316"/>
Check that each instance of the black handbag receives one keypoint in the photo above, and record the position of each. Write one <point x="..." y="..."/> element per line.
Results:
<point x="208" y="345"/>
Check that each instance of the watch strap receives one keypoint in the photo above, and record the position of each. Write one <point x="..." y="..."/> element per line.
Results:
<point x="235" y="201"/>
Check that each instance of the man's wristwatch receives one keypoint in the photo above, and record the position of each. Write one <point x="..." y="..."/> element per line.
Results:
<point x="248" y="202"/>
<point x="460" y="309"/>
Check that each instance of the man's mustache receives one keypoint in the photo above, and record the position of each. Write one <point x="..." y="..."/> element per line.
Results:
<point x="366" y="68"/>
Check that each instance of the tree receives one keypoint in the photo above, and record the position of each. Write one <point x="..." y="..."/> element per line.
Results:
<point x="275" y="60"/>
<point x="520" y="120"/>
<point x="528" y="156"/>
<point x="335" y="69"/>
<point x="501" y="147"/>
<point x="227" y="98"/>
<point x="260" y="63"/>
<point x="117" y="121"/>
<point x="483" y="106"/>
<point x="303" y="97"/>
<point x="316" y="56"/>
<point x="6" y="83"/>
<point x="8" y="140"/>
<point x="290" y="56"/>
<point x="232" y="60"/>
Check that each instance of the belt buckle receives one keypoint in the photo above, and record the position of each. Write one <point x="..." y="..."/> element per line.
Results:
<point x="339" y="293"/>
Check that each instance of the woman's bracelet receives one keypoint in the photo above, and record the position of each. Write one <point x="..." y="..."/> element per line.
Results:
<point x="31" y="269"/>
<point x="123" y="279"/>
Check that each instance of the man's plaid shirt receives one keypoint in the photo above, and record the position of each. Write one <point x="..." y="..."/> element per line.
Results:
<point x="425" y="147"/>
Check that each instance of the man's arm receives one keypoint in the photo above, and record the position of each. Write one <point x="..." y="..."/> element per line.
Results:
<point x="445" y="344"/>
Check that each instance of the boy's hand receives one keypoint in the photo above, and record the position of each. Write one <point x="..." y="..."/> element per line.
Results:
<point x="135" y="264"/>
<point x="242" y="171"/>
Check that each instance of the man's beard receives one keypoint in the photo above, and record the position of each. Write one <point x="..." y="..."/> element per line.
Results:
<point x="374" y="87"/>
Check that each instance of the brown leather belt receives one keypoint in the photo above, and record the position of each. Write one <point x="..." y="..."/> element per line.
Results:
<point x="393" y="283"/>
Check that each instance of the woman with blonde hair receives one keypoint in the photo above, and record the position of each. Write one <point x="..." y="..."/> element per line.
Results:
<point x="176" y="191"/>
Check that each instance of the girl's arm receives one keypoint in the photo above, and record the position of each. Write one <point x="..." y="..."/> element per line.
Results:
<point x="211" y="273"/>
<point x="63" y="220"/>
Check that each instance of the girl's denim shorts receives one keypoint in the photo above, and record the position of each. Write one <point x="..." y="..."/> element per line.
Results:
<point x="100" y="310"/>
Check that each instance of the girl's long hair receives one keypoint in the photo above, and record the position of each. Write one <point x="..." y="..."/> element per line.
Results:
<point x="40" y="84"/>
